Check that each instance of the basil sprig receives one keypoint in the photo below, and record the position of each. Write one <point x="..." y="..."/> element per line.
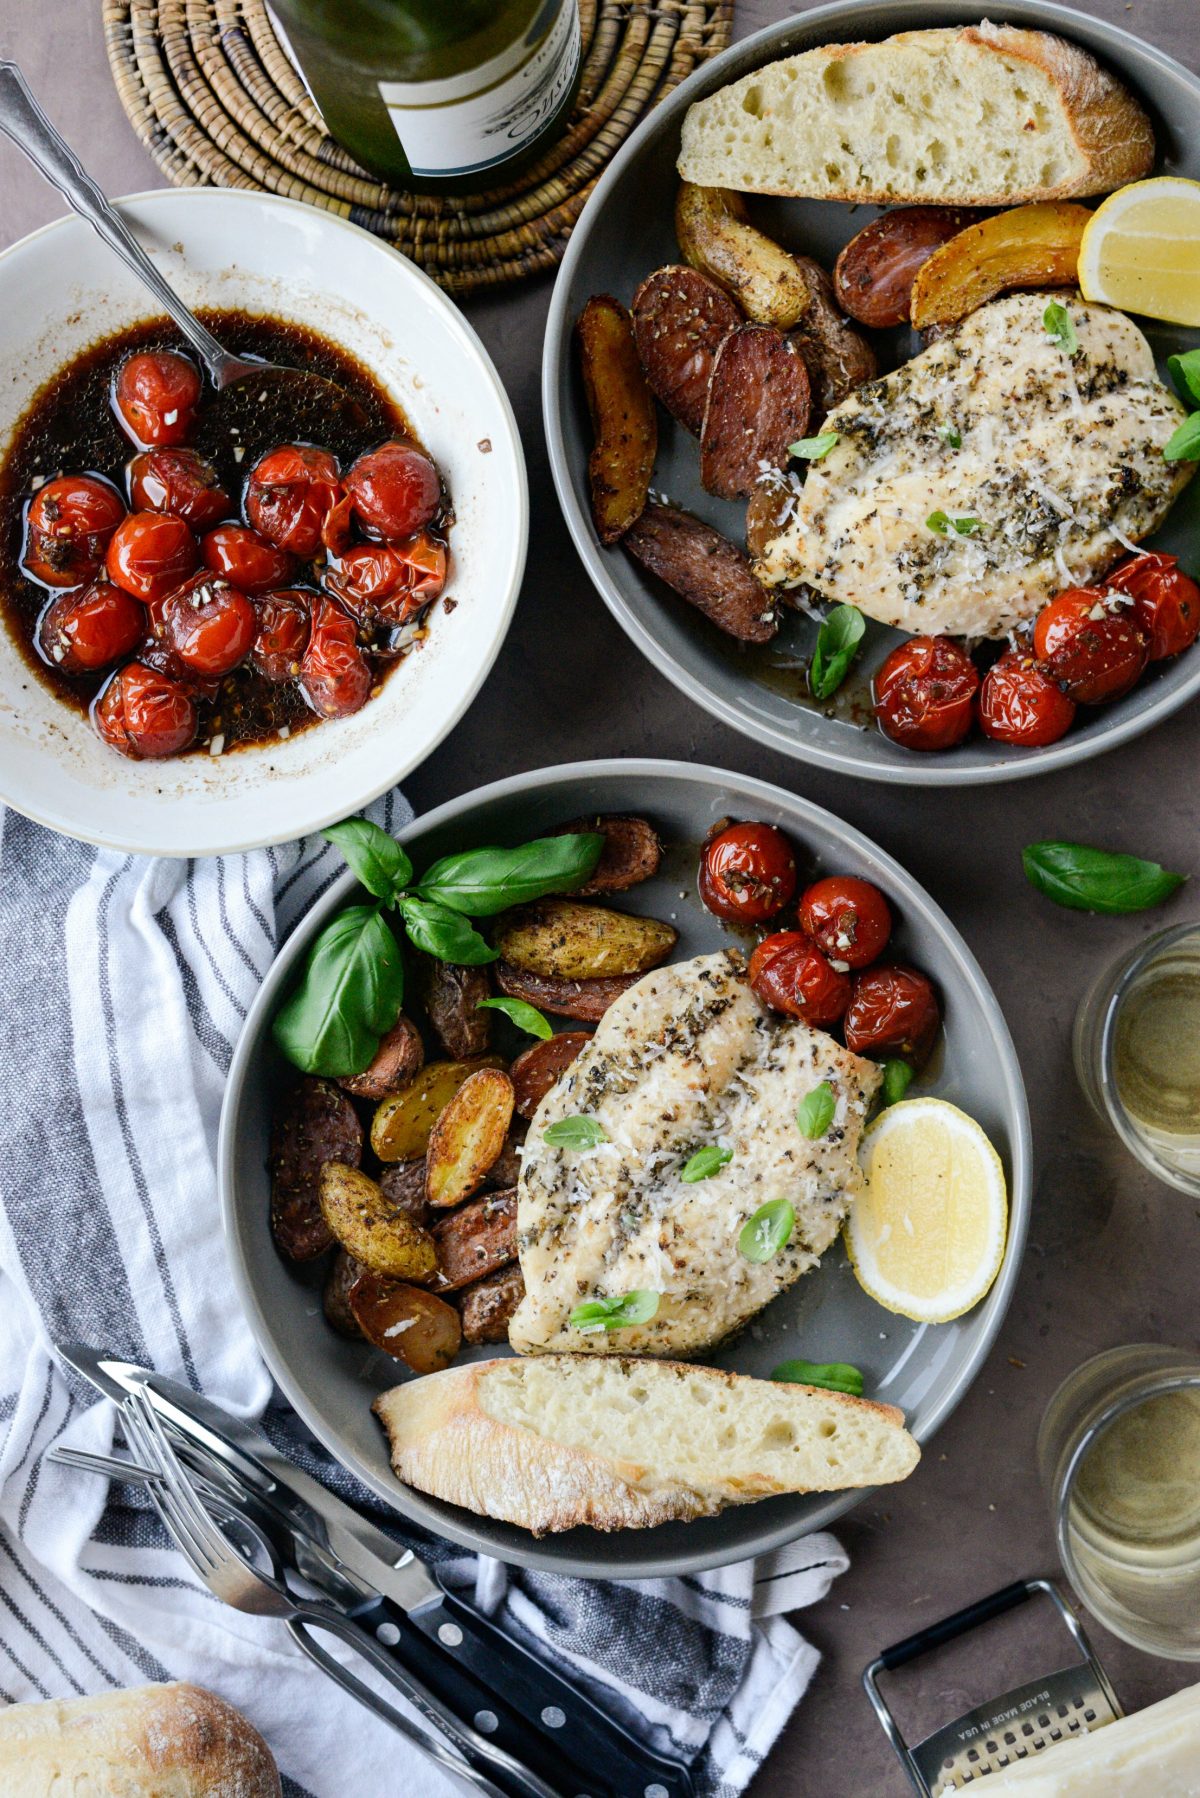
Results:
<point x="1061" y="327"/>
<point x="816" y="1111"/>
<point x="1183" y="445"/>
<point x="950" y="435"/>
<point x="526" y="1017"/>
<point x="1185" y="372"/>
<point x="1085" y="879"/>
<point x="575" y="1133"/>
<point x="615" y="1314"/>
<point x="944" y="522"/>
<point x="705" y="1163"/>
<point x="813" y="449"/>
<point x="837" y="645"/>
<point x="834" y="1376"/>
<point x="763" y="1235"/>
<point x="897" y="1078"/>
<point x="351" y="987"/>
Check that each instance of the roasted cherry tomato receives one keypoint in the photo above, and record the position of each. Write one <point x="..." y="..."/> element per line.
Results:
<point x="391" y="582"/>
<point x="282" y="634"/>
<point x="178" y="481"/>
<point x="923" y="693"/>
<point x="145" y="714"/>
<point x="747" y="873"/>
<point x="1091" y="645"/>
<point x="70" y="523"/>
<point x="1019" y="704"/>
<point x="847" y="918"/>
<point x="892" y="1011"/>
<point x="1166" y="602"/>
<point x="395" y="490"/>
<point x="334" y="675"/>
<point x="89" y="628"/>
<point x="150" y="554"/>
<point x="247" y="560"/>
<point x="789" y="973"/>
<point x="209" y="624"/>
<point x="155" y="396"/>
<point x="290" y="493"/>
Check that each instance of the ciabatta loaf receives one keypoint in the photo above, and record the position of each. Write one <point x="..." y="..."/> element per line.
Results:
<point x="167" y="1741"/>
<point x="979" y="115"/>
<point x="554" y="1441"/>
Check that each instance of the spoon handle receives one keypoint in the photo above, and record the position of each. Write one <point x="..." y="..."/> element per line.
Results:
<point x="22" y="119"/>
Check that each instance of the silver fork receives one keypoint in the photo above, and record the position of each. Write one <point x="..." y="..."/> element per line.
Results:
<point x="231" y="1578"/>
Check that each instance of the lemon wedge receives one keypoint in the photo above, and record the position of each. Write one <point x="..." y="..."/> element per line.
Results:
<point x="926" y="1234"/>
<point x="1141" y="250"/>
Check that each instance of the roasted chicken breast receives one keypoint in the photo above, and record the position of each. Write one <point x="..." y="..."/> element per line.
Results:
<point x="685" y="1058"/>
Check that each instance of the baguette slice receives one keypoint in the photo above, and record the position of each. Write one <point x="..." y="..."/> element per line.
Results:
<point x="982" y="115"/>
<point x="621" y="1443"/>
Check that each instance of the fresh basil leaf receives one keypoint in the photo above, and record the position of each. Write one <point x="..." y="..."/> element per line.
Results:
<point x="1085" y="879"/>
<point x="813" y="449"/>
<point x="615" y="1314"/>
<point x="525" y="1017"/>
<point x="1061" y="327"/>
<point x="951" y="435"/>
<point x="837" y="644"/>
<point x="444" y="933"/>
<point x="834" y="1376"/>
<point x="1185" y="372"/>
<point x="763" y="1235"/>
<point x="963" y="524"/>
<point x="897" y="1078"/>
<point x="705" y="1163"/>
<point x="1184" y="444"/>
<point x="482" y="882"/>
<point x="816" y="1112"/>
<point x="377" y="859"/>
<point x="348" y="996"/>
<point x="575" y="1133"/>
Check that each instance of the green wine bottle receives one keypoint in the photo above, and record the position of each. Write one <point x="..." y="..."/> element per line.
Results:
<point x="443" y="96"/>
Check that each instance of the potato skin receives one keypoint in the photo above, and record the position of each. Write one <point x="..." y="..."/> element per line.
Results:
<point x="1029" y="246"/>
<point x="468" y="1137"/>
<point x="386" y="1240"/>
<point x="706" y="569"/>
<point x="621" y="408"/>
<point x="758" y="405"/>
<point x="315" y="1123"/>
<point x="568" y="940"/>
<point x="715" y="235"/>
<point x="475" y="1239"/>
<point x="542" y="1066"/>
<point x="587" y="1000"/>
<point x="406" y="1322"/>
<point x="399" y="1056"/>
<point x="506" y="1169"/>
<point x="450" y="995"/>
<point x="335" y="1301"/>
<point x="632" y="851"/>
<point x="874" y="274"/>
<point x="679" y="319"/>
<point x="402" y="1123"/>
<point x="488" y="1305"/>
<point x="837" y="355"/>
<point x="402" y="1184"/>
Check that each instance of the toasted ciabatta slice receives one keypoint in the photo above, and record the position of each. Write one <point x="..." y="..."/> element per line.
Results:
<point x="621" y="1443"/>
<point x="981" y="115"/>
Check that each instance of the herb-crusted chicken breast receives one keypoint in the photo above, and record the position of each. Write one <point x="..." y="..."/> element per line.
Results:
<point x="687" y="1057"/>
<point x="1041" y="465"/>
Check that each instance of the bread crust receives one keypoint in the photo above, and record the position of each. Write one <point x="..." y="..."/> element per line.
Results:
<point x="1110" y="129"/>
<point x="444" y="1442"/>
<point x="162" y="1741"/>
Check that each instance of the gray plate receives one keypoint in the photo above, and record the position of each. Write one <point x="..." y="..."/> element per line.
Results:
<point x="825" y="1316"/>
<point x="626" y="230"/>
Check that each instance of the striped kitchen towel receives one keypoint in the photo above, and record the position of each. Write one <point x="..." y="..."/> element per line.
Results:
<point x="127" y="981"/>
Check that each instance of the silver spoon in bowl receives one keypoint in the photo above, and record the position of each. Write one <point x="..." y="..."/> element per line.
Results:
<point x="22" y="120"/>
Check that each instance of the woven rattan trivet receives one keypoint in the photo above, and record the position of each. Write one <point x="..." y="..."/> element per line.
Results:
<point x="216" y="101"/>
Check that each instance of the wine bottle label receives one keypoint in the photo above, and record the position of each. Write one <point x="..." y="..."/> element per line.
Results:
<point x="487" y="114"/>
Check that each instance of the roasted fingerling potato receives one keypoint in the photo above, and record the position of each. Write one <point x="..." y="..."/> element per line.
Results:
<point x="587" y="1000"/>
<point x="468" y="1137"/>
<point x="1029" y="246"/>
<point x="401" y="1126"/>
<point x="402" y="1184"/>
<point x="335" y="1301"/>
<point x="873" y="277"/>
<point x="398" y="1057"/>
<point x="624" y="422"/>
<point x="542" y="1066"/>
<point x="314" y="1123"/>
<point x="632" y="851"/>
<point x="406" y="1322"/>
<point x="506" y="1169"/>
<point x="487" y="1307"/>
<point x="568" y="940"/>
<point x="715" y="235"/>
<point x="384" y="1238"/>
<point x="836" y="353"/>
<point x="450" y="995"/>
<point x="475" y="1239"/>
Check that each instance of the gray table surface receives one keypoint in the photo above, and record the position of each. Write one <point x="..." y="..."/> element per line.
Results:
<point x="1112" y="1253"/>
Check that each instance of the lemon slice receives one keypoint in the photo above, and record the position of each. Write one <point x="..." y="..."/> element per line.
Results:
<point x="926" y="1234"/>
<point x="1141" y="250"/>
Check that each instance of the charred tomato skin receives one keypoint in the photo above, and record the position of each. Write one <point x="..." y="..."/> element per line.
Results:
<point x="747" y="873"/>
<point x="924" y="694"/>
<point x="1166" y="602"/>
<point x="335" y="676"/>
<point x="893" y="1010"/>
<point x="1092" y="645"/>
<point x="209" y="624"/>
<point x="848" y="919"/>
<point x="68" y="527"/>
<point x="1019" y="704"/>
<point x="389" y="582"/>
<point x="88" y="628"/>
<point x="156" y="394"/>
<point x="245" y="559"/>
<point x="395" y="490"/>
<point x="145" y="714"/>
<point x="179" y="481"/>
<point x="150" y="554"/>
<point x="289" y="495"/>
<point x="281" y="634"/>
<point x="790" y="975"/>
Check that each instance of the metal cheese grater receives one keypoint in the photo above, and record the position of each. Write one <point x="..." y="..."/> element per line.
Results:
<point x="1003" y="1730"/>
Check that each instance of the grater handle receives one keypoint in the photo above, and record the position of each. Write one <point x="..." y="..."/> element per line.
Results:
<point x="982" y="1611"/>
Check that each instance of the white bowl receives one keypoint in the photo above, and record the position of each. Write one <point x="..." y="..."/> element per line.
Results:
<point x="60" y="290"/>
